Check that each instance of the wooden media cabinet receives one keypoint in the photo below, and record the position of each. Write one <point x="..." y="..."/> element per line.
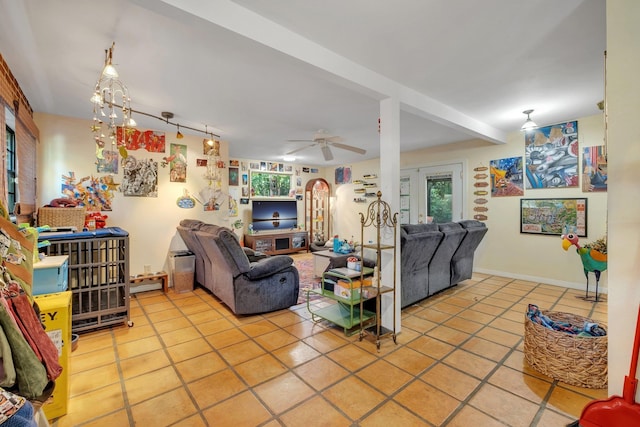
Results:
<point x="274" y="243"/>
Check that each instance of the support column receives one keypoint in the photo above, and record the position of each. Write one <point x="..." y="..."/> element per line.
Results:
<point x="390" y="188"/>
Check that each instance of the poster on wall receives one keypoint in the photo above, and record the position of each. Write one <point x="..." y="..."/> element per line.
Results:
<point x="507" y="177"/>
<point x="594" y="169"/>
<point x="233" y="176"/>
<point x="343" y="175"/>
<point x="107" y="161"/>
<point x="149" y="140"/>
<point x="140" y="177"/>
<point x="551" y="156"/>
<point x="178" y="163"/>
<point x="553" y="216"/>
<point x="96" y="193"/>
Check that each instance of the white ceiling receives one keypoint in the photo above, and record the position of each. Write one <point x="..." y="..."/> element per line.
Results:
<point x="258" y="73"/>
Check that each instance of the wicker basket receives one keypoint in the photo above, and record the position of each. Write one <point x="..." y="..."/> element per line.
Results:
<point x="579" y="361"/>
<point x="62" y="217"/>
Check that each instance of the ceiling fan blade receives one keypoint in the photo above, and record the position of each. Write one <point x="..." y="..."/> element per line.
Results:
<point x="300" y="140"/>
<point x="349" y="147"/>
<point x="326" y="152"/>
<point x="300" y="149"/>
<point x="334" y="139"/>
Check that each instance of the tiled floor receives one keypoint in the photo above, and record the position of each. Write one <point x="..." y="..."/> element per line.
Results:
<point x="459" y="361"/>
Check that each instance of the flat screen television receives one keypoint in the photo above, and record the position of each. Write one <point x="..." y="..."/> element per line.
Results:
<point x="274" y="214"/>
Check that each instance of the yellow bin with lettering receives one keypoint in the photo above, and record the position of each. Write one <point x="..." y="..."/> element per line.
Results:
<point x="55" y="313"/>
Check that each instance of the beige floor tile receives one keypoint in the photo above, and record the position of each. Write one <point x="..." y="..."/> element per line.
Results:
<point x="164" y="315"/>
<point x="91" y="360"/>
<point x="241" y="410"/>
<point x="504" y="406"/>
<point x="427" y="402"/>
<point x="205" y="316"/>
<point x="385" y="377"/>
<point x="434" y="316"/>
<point x="392" y="414"/>
<point x="143" y="363"/>
<point x="123" y="335"/>
<point x="83" y="408"/>
<point x="488" y="349"/>
<point x="315" y="412"/>
<point x="260" y="369"/>
<point x="527" y="386"/>
<point x="470" y="363"/>
<point x="567" y="402"/>
<point x="164" y="410"/>
<point x="188" y="350"/>
<point x="200" y="366"/>
<point x="258" y="328"/>
<point x="172" y="325"/>
<point x="553" y="419"/>
<point x="501" y="337"/>
<point x="321" y="372"/>
<point x="463" y="325"/>
<point x="141" y="346"/>
<point x="295" y="354"/>
<point x="283" y="392"/>
<point x="118" y="418"/>
<point x="276" y="339"/>
<point x="418" y="324"/>
<point x="215" y="388"/>
<point x="470" y="416"/>
<point x="286" y="318"/>
<point x="200" y="307"/>
<point x="180" y="336"/>
<point x="451" y="381"/>
<point x="325" y="341"/>
<point x="448" y="335"/>
<point x="410" y="360"/>
<point x="226" y="338"/>
<point x="92" y="379"/>
<point x="351" y="357"/>
<point x="353" y="396"/>
<point x="431" y="347"/>
<point x="151" y="384"/>
<point x="241" y="352"/>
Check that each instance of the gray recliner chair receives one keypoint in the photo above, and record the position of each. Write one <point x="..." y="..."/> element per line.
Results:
<point x="247" y="283"/>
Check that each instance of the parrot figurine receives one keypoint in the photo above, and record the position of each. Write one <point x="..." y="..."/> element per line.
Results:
<point x="592" y="259"/>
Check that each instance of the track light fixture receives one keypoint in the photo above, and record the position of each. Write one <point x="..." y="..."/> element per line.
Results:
<point x="528" y="124"/>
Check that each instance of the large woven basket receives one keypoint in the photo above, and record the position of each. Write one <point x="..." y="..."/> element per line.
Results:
<point x="579" y="361"/>
<point x="62" y="217"/>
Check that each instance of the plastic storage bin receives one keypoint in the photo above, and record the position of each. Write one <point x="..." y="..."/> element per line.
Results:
<point x="183" y="268"/>
<point x="50" y="275"/>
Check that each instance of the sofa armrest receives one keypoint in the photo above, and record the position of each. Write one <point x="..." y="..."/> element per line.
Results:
<point x="268" y="266"/>
<point x="254" y="255"/>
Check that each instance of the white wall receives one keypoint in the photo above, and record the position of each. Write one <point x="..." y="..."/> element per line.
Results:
<point x="504" y="250"/>
<point x="623" y="100"/>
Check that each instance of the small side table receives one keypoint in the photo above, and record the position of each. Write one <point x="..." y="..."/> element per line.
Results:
<point x="144" y="278"/>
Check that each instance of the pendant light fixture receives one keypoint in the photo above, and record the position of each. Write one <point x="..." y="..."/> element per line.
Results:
<point x="111" y="104"/>
<point x="528" y="124"/>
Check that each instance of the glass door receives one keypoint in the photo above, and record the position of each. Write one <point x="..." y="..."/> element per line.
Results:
<point x="440" y="193"/>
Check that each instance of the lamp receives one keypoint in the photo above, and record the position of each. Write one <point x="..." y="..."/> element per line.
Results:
<point x="528" y="124"/>
<point x="179" y="135"/>
<point x="109" y="96"/>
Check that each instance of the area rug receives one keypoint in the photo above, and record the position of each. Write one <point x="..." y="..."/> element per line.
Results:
<point x="304" y="264"/>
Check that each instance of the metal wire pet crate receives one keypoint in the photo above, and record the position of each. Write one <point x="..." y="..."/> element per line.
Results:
<point x="98" y="275"/>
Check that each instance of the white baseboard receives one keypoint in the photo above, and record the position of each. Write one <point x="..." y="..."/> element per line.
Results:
<point x="564" y="284"/>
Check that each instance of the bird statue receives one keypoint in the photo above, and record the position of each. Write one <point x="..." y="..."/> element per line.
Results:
<point x="592" y="259"/>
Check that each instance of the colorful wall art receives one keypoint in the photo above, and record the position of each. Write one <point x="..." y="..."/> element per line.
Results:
<point x="177" y="163"/>
<point x="507" y="177"/>
<point x="107" y="161"/>
<point x="551" y="156"/>
<point x="96" y="193"/>
<point x="149" y="140"/>
<point x="553" y="216"/>
<point x="594" y="169"/>
<point x="140" y="177"/>
<point x="343" y="175"/>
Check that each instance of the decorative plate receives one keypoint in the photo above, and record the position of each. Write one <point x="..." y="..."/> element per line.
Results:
<point x="480" y="217"/>
<point x="481" y="184"/>
<point x="480" y="201"/>
<point x="480" y="176"/>
<point x="481" y="209"/>
<point x="481" y="192"/>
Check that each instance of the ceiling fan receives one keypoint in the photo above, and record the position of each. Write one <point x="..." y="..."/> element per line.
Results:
<point x="325" y="140"/>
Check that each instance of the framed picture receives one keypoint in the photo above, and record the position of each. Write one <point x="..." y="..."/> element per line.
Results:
<point x="269" y="184"/>
<point x="233" y="176"/>
<point x="554" y="216"/>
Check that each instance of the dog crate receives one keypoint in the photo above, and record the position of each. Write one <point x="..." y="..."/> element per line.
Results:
<point x="98" y="275"/>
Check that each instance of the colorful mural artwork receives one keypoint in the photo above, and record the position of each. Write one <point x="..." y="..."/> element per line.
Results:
<point x="507" y="177"/>
<point x="343" y="175"/>
<point x="149" y="140"/>
<point x="551" y="156"/>
<point x="96" y="193"/>
<point x="107" y="162"/>
<point x="594" y="169"/>
<point x="140" y="177"/>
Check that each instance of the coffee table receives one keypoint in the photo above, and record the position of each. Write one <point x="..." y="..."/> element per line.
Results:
<point x="321" y="260"/>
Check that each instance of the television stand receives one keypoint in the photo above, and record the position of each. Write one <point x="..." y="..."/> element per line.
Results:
<point x="278" y="242"/>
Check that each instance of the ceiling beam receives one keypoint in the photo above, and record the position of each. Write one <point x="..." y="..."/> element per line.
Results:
<point x="246" y="23"/>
